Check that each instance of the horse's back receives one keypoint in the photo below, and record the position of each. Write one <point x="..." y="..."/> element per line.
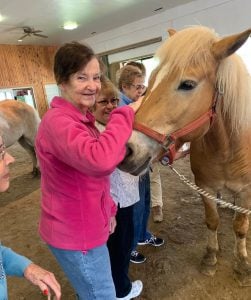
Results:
<point x="16" y="108"/>
<point x="17" y="119"/>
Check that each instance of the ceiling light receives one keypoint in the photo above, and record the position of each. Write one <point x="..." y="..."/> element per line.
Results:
<point x="70" y="25"/>
<point x="1" y="18"/>
<point x="19" y="41"/>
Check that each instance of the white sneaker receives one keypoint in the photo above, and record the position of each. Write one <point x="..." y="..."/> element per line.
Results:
<point x="136" y="290"/>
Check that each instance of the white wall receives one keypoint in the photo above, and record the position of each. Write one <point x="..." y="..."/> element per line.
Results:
<point x="226" y="17"/>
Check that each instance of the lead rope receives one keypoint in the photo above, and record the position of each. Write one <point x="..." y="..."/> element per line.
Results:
<point x="222" y="203"/>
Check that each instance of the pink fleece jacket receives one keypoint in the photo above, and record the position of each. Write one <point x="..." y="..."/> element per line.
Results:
<point x="75" y="162"/>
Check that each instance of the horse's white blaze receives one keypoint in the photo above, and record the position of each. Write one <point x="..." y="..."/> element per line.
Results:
<point x="160" y="76"/>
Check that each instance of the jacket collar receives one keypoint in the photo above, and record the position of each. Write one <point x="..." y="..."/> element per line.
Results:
<point x="124" y="100"/>
<point x="58" y="102"/>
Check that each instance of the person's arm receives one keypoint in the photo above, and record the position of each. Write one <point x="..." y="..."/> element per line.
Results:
<point x="68" y="141"/>
<point x="13" y="263"/>
<point x="17" y="265"/>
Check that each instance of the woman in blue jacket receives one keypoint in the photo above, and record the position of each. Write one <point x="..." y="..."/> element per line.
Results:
<point x="130" y="81"/>
<point x="14" y="264"/>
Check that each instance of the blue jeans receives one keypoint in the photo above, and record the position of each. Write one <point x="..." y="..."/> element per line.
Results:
<point x="141" y="211"/>
<point x="89" y="273"/>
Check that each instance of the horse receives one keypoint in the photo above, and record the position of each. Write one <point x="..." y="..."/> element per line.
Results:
<point x="19" y="123"/>
<point x="200" y="92"/>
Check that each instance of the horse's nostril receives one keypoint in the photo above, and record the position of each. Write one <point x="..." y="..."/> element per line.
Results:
<point x="128" y="151"/>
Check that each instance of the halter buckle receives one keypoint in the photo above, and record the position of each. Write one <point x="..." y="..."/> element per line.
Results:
<point x="168" y="142"/>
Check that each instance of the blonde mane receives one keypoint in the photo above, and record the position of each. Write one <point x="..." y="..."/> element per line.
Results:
<point x="235" y="82"/>
<point x="192" y="47"/>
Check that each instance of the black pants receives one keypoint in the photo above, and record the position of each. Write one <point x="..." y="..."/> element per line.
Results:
<point x="120" y="245"/>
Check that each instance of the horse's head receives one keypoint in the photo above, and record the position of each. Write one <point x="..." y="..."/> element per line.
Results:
<point x="182" y="89"/>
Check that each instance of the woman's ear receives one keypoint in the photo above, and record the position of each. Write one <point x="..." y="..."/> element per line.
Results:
<point x="124" y="87"/>
<point x="62" y="86"/>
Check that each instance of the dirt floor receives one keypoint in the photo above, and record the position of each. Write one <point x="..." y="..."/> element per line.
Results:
<point x="170" y="272"/>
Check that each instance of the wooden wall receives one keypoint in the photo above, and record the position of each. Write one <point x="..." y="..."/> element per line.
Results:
<point x="25" y="66"/>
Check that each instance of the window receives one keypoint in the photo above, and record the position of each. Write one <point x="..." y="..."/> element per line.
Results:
<point x="51" y="90"/>
<point x="25" y="94"/>
<point x="6" y="94"/>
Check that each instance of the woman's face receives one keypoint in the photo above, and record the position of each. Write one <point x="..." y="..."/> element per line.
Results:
<point x="105" y="104"/>
<point x="83" y="86"/>
<point x="135" y="90"/>
<point x="5" y="160"/>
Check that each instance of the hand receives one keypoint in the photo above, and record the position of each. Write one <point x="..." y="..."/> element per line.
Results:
<point x="136" y="105"/>
<point x="44" y="279"/>
<point x="113" y="224"/>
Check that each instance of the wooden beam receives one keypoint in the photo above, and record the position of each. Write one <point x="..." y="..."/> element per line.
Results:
<point x="132" y="46"/>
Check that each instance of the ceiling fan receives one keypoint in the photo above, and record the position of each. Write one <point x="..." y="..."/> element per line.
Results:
<point x="29" y="31"/>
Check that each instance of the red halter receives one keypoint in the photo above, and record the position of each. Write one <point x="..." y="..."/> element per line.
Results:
<point x="167" y="141"/>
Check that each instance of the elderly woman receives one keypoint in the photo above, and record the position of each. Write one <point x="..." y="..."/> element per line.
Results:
<point x="130" y="82"/>
<point x="78" y="213"/>
<point x="125" y="193"/>
<point x="12" y="263"/>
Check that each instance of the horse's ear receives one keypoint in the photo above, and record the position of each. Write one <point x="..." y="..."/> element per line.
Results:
<point x="171" y="31"/>
<point x="230" y="44"/>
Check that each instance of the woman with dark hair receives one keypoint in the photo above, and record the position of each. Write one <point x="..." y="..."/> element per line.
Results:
<point x="77" y="211"/>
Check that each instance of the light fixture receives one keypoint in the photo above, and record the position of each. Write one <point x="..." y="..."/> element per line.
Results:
<point x="158" y="9"/>
<point x="19" y="41"/>
<point x="70" y="25"/>
<point x="1" y="18"/>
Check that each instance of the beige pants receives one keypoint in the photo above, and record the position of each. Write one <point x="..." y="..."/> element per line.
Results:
<point x="156" y="189"/>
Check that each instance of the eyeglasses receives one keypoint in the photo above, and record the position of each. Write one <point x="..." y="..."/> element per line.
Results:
<point x="2" y="152"/>
<point x="105" y="102"/>
<point x="139" y="86"/>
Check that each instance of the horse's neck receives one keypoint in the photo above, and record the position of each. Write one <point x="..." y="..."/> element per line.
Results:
<point x="219" y="138"/>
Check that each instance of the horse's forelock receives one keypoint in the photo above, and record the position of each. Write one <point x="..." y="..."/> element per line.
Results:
<point x="188" y="47"/>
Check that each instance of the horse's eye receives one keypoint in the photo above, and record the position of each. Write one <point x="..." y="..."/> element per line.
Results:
<point x="187" y="85"/>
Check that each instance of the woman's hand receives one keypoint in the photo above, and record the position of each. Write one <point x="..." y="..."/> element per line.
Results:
<point x="136" y="105"/>
<point x="44" y="279"/>
<point x="113" y="224"/>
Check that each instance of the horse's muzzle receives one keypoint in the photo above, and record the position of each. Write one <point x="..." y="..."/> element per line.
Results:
<point x="128" y="164"/>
